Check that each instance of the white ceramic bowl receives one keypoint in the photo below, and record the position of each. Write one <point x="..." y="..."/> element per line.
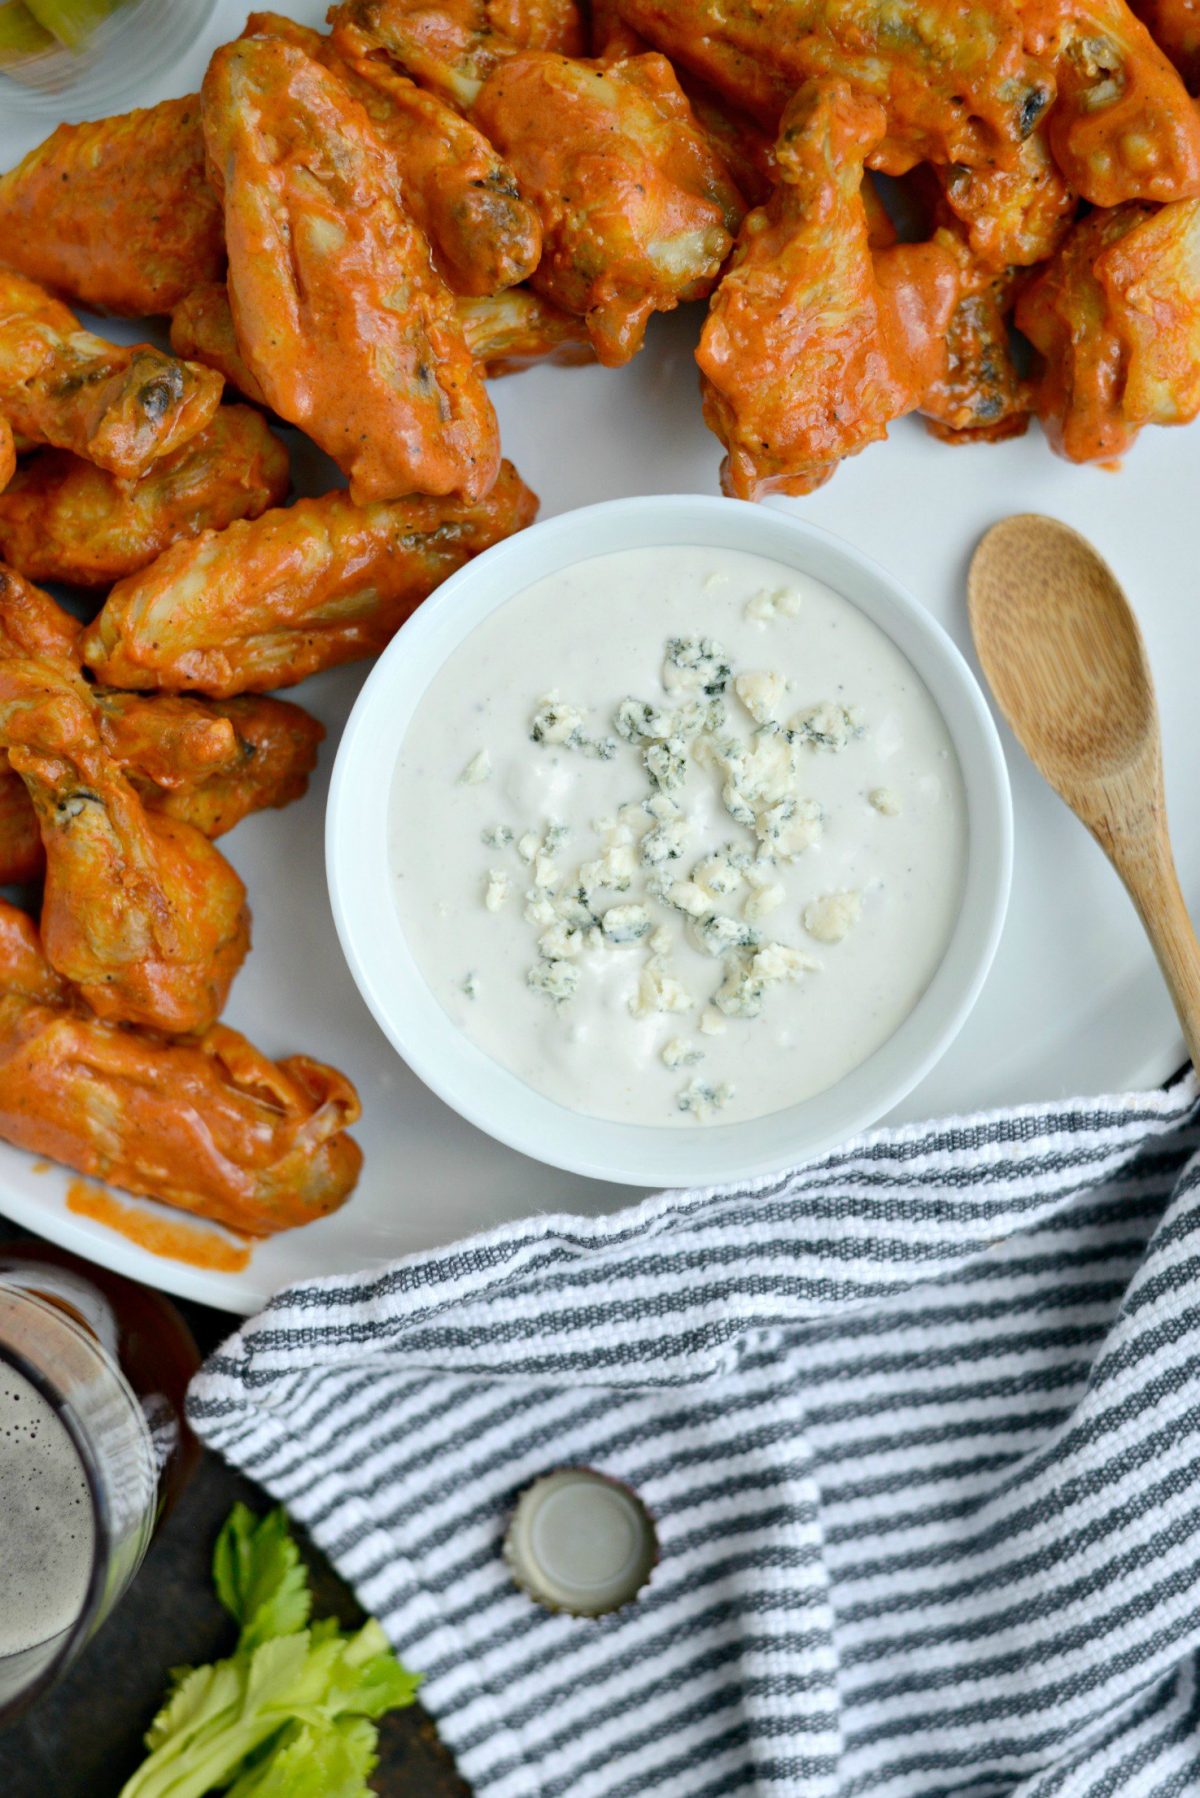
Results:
<point x="368" y="923"/>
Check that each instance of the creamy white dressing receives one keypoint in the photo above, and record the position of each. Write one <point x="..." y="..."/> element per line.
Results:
<point x="848" y="853"/>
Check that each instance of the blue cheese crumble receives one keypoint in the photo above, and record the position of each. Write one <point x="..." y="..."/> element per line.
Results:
<point x="650" y="875"/>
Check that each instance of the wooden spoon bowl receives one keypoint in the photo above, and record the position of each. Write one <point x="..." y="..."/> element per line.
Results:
<point x="1063" y="654"/>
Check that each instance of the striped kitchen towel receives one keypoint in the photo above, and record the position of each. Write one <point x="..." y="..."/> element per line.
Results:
<point x="920" y="1425"/>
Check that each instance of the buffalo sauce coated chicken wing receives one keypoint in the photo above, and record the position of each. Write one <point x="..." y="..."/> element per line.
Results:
<point x="1116" y="320"/>
<point x="121" y="407"/>
<point x="140" y="912"/>
<point x="340" y="316"/>
<point x="266" y="604"/>
<point x="209" y="1125"/>
<point x="953" y="76"/>
<point x="950" y="311"/>
<point x="117" y="215"/>
<point x="484" y="234"/>
<point x="638" y="212"/>
<point x="799" y="366"/>
<point x="63" y="519"/>
<point x="8" y="454"/>
<point x="1123" y="126"/>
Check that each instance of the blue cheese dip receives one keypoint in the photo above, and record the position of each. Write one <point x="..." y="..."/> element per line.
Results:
<point x="678" y="836"/>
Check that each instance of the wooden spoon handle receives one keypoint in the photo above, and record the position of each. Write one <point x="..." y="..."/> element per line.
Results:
<point x="1148" y="870"/>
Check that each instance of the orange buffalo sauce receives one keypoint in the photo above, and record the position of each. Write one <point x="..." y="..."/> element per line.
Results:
<point x="176" y="1240"/>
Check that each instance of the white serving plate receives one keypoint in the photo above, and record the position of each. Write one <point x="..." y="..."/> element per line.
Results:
<point x="1074" y="1003"/>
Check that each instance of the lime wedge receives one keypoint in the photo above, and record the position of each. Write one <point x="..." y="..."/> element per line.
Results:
<point x="20" y="34"/>
<point x="72" y="22"/>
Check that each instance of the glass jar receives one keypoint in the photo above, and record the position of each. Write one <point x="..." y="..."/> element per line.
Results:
<point x="113" y="72"/>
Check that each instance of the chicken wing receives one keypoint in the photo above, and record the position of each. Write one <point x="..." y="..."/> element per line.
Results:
<point x="122" y="407"/>
<point x="339" y="314"/>
<point x="1123" y="126"/>
<point x="799" y="368"/>
<point x="62" y="519"/>
<point x="264" y="605"/>
<point x="209" y="763"/>
<point x="140" y="912"/>
<point x="1017" y="216"/>
<point x="955" y="78"/>
<point x="484" y="234"/>
<point x="8" y="454"/>
<point x="1116" y="319"/>
<point x="117" y="215"/>
<point x="638" y="212"/>
<point x="951" y="312"/>
<point x="1175" y="27"/>
<point x="212" y="1125"/>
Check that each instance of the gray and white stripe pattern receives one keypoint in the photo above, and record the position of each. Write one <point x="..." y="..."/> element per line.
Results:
<point x="920" y="1424"/>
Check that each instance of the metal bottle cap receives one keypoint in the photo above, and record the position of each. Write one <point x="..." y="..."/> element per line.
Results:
<point x="580" y="1542"/>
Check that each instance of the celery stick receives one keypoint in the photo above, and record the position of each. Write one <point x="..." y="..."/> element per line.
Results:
<point x="72" y="22"/>
<point x="20" y="33"/>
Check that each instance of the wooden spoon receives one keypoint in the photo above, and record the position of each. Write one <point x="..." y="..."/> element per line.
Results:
<point x="1066" y="661"/>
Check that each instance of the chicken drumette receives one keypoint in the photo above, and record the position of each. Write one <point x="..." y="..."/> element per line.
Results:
<point x="1116" y="319"/>
<point x="209" y="1125"/>
<point x="140" y="912"/>
<point x="800" y="366"/>
<point x="266" y="604"/>
<point x="340" y="316"/>
<point x="63" y="519"/>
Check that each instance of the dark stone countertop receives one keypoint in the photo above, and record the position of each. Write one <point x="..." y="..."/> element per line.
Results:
<point x="84" y="1739"/>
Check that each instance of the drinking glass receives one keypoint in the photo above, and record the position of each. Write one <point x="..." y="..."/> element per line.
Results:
<point x="138" y="41"/>
<point x="93" y="1447"/>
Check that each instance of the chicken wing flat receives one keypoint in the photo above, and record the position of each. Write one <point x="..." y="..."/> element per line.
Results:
<point x="117" y="215"/>
<point x="953" y="76"/>
<point x="122" y="407"/>
<point x="339" y="314"/>
<point x="799" y="368"/>
<point x="484" y="234"/>
<point x="1175" y="27"/>
<point x="452" y="46"/>
<point x="63" y="519"/>
<point x="1015" y="216"/>
<point x="211" y="1126"/>
<point x="8" y="454"/>
<point x="140" y="912"/>
<point x="638" y="212"/>
<point x="1116" y="318"/>
<point x="266" y="604"/>
<point x="1123" y="126"/>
